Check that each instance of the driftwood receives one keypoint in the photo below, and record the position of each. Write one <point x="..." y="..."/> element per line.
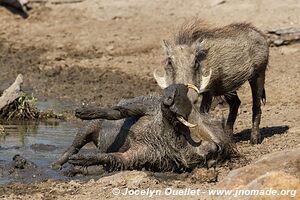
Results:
<point x="56" y="1"/>
<point x="15" y="104"/>
<point x="286" y="36"/>
<point x="66" y="1"/>
<point x="12" y="93"/>
<point x="16" y="6"/>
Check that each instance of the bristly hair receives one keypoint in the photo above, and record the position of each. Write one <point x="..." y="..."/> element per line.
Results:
<point x="195" y="28"/>
<point x="191" y="30"/>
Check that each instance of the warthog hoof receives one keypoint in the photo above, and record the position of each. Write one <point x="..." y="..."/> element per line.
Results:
<point x="255" y="138"/>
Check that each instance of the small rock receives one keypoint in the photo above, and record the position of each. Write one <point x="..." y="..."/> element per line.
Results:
<point x="275" y="180"/>
<point x="92" y="181"/>
<point x="109" y="48"/>
<point x="278" y="42"/>
<point x="218" y="2"/>
<point x="202" y="175"/>
<point x="74" y="183"/>
<point x="287" y="161"/>
<point x="116" y="18"/>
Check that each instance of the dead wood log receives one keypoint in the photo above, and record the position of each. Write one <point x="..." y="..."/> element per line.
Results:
<point x="66" y="1"/>
<point x="56" y="1"/>
<point x="19" y="7"/>
<point x="11" y="93"/>
<point x="17" y="4"/>
<point x="285" y="36"/>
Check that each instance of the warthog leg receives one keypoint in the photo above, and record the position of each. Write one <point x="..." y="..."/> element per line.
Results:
<point x="85" y="170"/>
<point x="88" y="133"/>
<point x="234" y="103"/>
<point x="114" y="161"/>
<point x="136" y="108"/>
<point x="257" y="88"/>
<point x="206" y="102"/>
<point x="103" y="113"/>
<point x="90" y="130"/>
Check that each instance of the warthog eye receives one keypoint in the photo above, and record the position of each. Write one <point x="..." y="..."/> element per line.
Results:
<point x="169" y="61"/>
<point x="201" y="55"/>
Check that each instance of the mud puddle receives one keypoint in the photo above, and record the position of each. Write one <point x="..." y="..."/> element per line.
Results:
<point x="56" y="105"/>
<point x="38" y="142"/>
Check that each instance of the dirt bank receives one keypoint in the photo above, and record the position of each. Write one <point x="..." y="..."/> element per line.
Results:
<point x="102" y="51"/>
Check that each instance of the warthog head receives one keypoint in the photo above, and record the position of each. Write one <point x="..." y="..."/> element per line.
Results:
<point x="182" y="65"/>
<point x="176" y="102"/>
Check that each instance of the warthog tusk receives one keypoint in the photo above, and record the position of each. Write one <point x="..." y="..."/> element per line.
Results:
<point x="186" y="123"/>
<point x="191" y="86"/>
<point x="205" y="81"/>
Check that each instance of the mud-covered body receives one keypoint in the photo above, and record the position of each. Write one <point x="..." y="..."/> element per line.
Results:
<point x="148" y="137"/>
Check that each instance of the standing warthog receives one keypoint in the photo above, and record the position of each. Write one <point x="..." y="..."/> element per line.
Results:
<point x="156" y="133"/>
<point x="222" y="59"/>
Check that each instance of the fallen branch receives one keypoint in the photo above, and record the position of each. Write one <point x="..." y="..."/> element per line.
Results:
<point x="285" y="36"/>
<point x="12" y="93"/>
<point x="15" y="104"/>
<point x="16" y="4"/>
<point x="56" y="1"/>
<point x="66" y="1"/>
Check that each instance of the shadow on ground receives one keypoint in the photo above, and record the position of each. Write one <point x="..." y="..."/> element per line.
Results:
<point x="265" y="132"/>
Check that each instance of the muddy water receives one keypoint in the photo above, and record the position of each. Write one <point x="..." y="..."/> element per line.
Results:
<point x="39" y="142"/>
<point x="55" y="105"/>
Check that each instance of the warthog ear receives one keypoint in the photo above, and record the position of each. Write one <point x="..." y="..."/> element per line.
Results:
<point x="205" y="80"/>
<point x="201" y="53"/>
<point x="198" y="47"/>
<point x="167" y="47"/>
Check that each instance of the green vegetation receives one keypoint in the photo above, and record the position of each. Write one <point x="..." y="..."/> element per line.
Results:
<point x="25" y="108"/>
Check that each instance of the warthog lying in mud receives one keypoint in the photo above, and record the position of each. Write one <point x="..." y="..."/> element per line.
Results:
<point x="223" y="59"/>
<point x="157" y="133"/>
